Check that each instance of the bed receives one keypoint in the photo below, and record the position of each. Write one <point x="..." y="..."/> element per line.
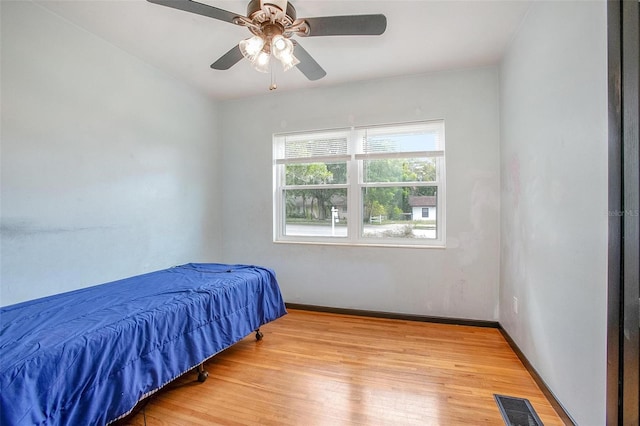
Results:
<point x="90" y="355"/>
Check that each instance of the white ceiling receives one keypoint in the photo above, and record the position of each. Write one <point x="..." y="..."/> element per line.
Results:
<point x="422" y="36"/>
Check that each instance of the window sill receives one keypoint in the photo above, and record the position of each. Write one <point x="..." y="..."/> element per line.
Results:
<point x="360" y="244"/>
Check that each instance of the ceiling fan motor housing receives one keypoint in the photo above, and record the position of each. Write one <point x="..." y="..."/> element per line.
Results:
<point x="262" y="10"/>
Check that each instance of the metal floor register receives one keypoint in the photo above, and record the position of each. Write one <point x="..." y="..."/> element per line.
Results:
<point x="517" y="411"/>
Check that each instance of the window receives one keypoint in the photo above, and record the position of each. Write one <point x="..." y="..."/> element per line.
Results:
<point x="379" y="185"/>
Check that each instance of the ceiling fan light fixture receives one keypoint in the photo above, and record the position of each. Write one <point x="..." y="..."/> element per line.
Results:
<point x="282" y="49"/>
<point x="273" y="23"/>
<point x="251" y="47"/>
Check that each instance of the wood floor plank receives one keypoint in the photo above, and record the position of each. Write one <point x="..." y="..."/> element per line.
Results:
<point x="316" y="368"/>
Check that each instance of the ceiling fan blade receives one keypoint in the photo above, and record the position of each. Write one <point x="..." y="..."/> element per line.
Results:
<point x="347" y="25"/>
<point x="228" y="60"/>
<point x="308" y="66"/>
<point x="199" y="8"/>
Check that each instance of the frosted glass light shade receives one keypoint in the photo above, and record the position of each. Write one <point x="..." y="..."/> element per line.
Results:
<point x="288" y="61"/>
<point x="251" y="47"/>
<point x="280" y="46"/>
<point x="261" y="61"/>
<point x="282" y="49"/>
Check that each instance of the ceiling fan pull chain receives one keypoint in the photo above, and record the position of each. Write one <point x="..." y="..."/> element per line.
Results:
<point x="273" y="85"/>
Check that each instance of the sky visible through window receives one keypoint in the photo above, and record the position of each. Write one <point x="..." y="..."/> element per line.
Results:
<point x="403" y="143"/>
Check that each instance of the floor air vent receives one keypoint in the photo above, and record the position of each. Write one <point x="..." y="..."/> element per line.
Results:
<point x="517" y="411"/>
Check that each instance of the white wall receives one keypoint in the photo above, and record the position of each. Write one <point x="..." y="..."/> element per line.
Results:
<point x="459" y="281"/>
<point x="109" y="167"/>
<point x="554" y="200"/>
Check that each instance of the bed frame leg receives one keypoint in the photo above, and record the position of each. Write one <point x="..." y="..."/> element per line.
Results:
<point x="202" y="374"/>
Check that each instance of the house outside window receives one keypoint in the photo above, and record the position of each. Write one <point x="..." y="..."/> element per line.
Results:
<point x="376" y="185"/>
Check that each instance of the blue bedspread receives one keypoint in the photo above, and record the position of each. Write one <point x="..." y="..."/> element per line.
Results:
<point x="88" y="356"/>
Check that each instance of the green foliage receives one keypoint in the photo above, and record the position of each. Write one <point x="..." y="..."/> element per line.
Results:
<point x="308" y="174"/>
<point x="400" y="170"/>
<point x="315" y="203"/>
<point x="392" y="202"/>
<point x="338" y="171"/>
<point x="396" y="213"/>
<point x="404" y="171"/>
<point x="377" y="209"/>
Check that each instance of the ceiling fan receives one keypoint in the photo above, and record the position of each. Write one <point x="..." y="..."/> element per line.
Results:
<point x="273" y="23"/>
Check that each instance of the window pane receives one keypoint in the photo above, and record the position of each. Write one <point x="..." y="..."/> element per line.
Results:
<point x="400" y="170"/>
<point x="316" y="173"/>
<point x="411" y="138"/>
<point x="400" y="212"/>
<point x="310" y="212"/>
<point x="301" y="146"/>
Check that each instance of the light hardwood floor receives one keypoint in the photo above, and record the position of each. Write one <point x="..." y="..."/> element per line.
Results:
<point x="327" y="369"/>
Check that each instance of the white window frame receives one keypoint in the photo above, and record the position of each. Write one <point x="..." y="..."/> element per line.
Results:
<point x="354" y="185"/>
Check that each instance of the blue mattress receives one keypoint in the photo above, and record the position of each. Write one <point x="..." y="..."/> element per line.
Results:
<point x="88" y="356"/>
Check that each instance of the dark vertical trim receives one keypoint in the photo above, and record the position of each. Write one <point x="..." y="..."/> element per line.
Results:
<point x="614" y="273"/>
<point x="631" y="226"/>
<point x="623" y="335"/>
